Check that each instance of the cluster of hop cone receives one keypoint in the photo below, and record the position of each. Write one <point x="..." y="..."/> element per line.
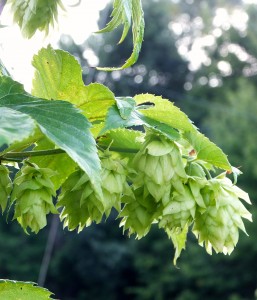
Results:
<point x="158" y="186"/>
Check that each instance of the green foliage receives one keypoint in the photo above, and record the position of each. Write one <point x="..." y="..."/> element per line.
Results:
<point x="126" y="12"/>
<point x="140" y="155"/>
<point x="10" y="119"/>
<point x="13" y="290"/>
<point x="58" y="120"/>
<point x="59" y="76"/>
<point x="157" y="172"/>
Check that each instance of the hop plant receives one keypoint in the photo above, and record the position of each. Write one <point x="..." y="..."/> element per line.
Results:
<point x="114" y="182"/>
<point x="139" y="212"/>
<point x="5" y="186"/>
<point x="160" y="166"/>
<point x="32" y="194"/>
<point x="34" y="14"/>
<point x="81" y="204"/>
<point x="217" y="227"/>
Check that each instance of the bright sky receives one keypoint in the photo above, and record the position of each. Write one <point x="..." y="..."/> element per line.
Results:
<point x="81" y="21"/>
<point x="17" y="52"/>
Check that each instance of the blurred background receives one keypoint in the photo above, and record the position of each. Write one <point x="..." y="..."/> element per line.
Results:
<point x="202" y="55"/>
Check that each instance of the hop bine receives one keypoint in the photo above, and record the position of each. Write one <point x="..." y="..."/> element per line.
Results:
<point x="32" y="194"/>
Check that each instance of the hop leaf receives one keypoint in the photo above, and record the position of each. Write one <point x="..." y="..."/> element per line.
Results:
<point x="217" y="227"/>
<point x="81" y="204"/>
<point x="32" y="195"/>
<point x="5" y="186"/>
<point x="34" y="15"/>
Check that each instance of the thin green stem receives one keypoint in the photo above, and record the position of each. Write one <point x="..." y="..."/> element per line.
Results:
<point x="25" y="154"/>
<point x="208" y="174"/>
<point x="18" y="156"/>
<point x="121" y="150"/>
<point x="11" y="160"/>
<point x="189" y="158"/>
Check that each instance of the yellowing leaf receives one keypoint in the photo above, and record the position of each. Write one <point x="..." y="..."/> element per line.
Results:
<point x="18" y="290"/>
<point x="58" y="75"/>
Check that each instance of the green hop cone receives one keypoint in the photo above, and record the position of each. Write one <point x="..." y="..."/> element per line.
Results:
<point x="114" y="182"/>
<point x="32" y="194"/>
<point x="159" y="165"/>
<point x="179" y="210"/>
<point x="196" y="182"/>
<point x="139" y="212"/>
<point x="5" y="186"/>
<point x="34" y="15"/>
<point x="81" y="204"/>
<point x="217" y="227"/>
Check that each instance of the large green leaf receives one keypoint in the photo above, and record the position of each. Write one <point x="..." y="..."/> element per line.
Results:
<point x="164" y="111"/>
<point x="123" y="138"/>
<point x="18" y="290"/>
<point x="124" y="141"/>
<point x="25" y="143"/>
<point x="126" y="106"/>
<point x="14" y="126"/>
<point x="114" y="120"/>
<point x="124" y="13"/>
<point x="60" y="121"/>
<point x="207" y="150"/>
<point x="58" y="75"/>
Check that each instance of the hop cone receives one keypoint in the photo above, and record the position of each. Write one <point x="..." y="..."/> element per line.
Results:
<point x="196" y="182"/>
<point x="179" y="210"/>
<point x="159" y="165"/>
<point x="113" y="183"/>
<point x="81" y="204"/>
<point x="139" y="212"/>
<point x="32" y="194"/>
<point x="34" y="14"/>
<point x="217" y="227"/>
<point x="5" y="186"/>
